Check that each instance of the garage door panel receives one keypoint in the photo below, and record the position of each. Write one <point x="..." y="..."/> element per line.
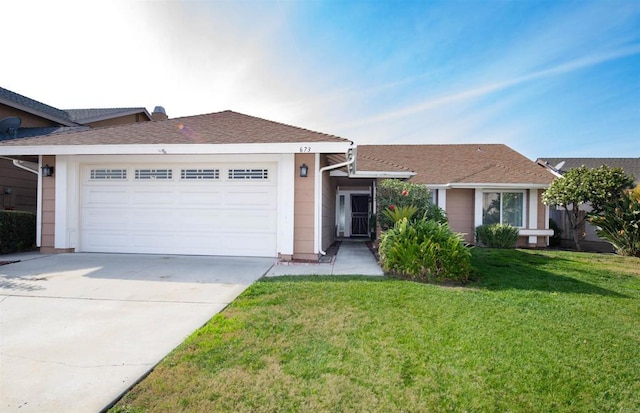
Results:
<point x="97" y="218"/>
<point x="102" y="196"/>
<point x="153" y="198"/>
<point x="178" y="216"/>
<point x="251" y="199"/>
<point x="193" y="199"/>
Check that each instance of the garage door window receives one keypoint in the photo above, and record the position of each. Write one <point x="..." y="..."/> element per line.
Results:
<point x="102" y="174"/>
<point x="253" y="174"/>
<point x="153" y="174"/>
<point x="192" y="174"/>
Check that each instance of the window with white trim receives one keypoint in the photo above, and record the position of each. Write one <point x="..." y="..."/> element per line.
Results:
<point x="199" y="174"/>
<point x="108" y="174"/>
<point x="253" y="174"/>
<point x="153" y="174"/>
<point x="503" y="208"/>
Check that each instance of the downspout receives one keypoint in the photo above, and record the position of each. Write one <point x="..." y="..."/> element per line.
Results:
<point x="348" y="162"/>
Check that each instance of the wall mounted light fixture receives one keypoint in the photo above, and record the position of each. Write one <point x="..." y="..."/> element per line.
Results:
<point x="8" y="190"/>
<point x="304" y="170"/>
<point x="47" y="170"/>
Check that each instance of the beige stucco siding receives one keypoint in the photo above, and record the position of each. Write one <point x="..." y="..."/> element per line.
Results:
<point x="304" y="204"/>
<point x="47" y="245"/>
<point x="460" y="211"/>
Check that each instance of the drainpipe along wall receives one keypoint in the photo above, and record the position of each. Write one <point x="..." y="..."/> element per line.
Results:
<point x="318" y="195"/>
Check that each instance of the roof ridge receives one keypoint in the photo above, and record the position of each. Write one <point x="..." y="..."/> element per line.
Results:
<point x="284" y="124"/>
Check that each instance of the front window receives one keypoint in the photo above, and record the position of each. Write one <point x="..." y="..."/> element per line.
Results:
<point x="503" y="207"/>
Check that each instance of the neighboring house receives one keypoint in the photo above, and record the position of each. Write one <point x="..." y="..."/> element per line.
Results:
<point x="232" y="184"/>
<point x="590" y="241"/>
<point x="22" y="117"/>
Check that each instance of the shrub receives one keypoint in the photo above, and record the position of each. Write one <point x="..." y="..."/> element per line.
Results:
<point x="425" y="251"/>
<point x="400" y="194"/>
<point x="620" y="224"/>
<point x="17" y="231"/>
<point x="395" y="214"/>
<point x="497" y="236"/>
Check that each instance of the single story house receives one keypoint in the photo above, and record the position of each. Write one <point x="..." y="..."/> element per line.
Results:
<point x="231" y="184"/>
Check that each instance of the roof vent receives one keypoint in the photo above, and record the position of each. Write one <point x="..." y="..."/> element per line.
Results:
<point x="159" y="113"/>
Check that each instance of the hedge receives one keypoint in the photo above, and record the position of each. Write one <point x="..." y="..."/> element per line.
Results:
<point x="17" y="231"/>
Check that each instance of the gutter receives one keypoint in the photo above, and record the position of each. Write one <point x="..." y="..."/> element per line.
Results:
<point x="26" y="165"/>
<point x="350" y="161"/>
<point x="550" y="168"/>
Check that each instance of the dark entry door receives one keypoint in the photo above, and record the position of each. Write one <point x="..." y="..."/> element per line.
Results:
<point x="359" y="215"/>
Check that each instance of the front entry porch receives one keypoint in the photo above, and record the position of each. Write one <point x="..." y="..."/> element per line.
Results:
<point x="355" y="209"/>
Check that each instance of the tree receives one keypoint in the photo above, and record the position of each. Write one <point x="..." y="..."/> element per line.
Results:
<point x="596" y="186"/>
<point x="620" y="223"/>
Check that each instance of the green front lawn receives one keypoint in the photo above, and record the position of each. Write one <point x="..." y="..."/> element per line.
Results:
<point x="538" y="331"/>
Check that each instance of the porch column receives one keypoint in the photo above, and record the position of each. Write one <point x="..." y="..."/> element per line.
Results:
<point x="533" y="214"/>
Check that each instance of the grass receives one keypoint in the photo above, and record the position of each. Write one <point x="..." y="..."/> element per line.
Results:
<point x="537" y="331"/>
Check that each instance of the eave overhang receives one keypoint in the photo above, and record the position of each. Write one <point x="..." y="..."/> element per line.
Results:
<point x="178" y="149"/>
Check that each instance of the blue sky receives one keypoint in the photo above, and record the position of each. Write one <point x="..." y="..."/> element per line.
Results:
<point x="548" y="78"/>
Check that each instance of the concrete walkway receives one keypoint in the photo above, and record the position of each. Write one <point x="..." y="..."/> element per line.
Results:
<point x="353" y="258"/>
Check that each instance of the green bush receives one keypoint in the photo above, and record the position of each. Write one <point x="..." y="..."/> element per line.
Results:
<point x="497" y="236"/>
<point x="400" y="194"/>
<point x="620" y="224"/>
<point x="17" y="231"/>
<point x="395" y="214"/>
<point x="425" y="251"/>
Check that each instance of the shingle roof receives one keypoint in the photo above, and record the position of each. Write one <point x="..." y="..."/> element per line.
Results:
<point x="32" y="132"/>
<point x="33" y="105"/>
<point x="91" y="115"/>
<point x="215" y="128"/>
<point x="456" y="164"/>
<point x="630" y="166"/>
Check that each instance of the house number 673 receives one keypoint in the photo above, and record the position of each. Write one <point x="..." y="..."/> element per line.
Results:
<point x="305" y="149"/>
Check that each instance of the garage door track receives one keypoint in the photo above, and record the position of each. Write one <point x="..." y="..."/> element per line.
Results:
<point x="77" y="330"/>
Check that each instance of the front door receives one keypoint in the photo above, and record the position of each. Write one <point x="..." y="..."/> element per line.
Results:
<point x="359" y="215"/>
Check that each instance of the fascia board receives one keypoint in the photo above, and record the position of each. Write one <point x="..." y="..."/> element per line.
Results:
<point x="382" y="174"/>
<point x="43" y="115"/>
<point x="498" y="185"/>
<point x="177" y="149"/>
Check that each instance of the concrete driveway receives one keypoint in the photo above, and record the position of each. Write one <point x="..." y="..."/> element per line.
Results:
<point x="77" y="330"/>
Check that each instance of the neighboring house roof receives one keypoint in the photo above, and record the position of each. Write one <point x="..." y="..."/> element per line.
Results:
<point x="456" y="164"/>
<point x="84" y="116"/>
<point x="39" y="131"/>
<point x="29" y="105"/>
<point x="215" y="128"/>
<point x="631" y="166"/>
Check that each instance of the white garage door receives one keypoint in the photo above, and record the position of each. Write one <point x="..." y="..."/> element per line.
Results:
<point x="220" y="209"/>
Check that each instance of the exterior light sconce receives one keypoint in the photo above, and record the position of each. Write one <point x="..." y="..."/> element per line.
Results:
<point x="304" y="170"/>
<point x="8" y="190"/>
<point x="47" y="170"/>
